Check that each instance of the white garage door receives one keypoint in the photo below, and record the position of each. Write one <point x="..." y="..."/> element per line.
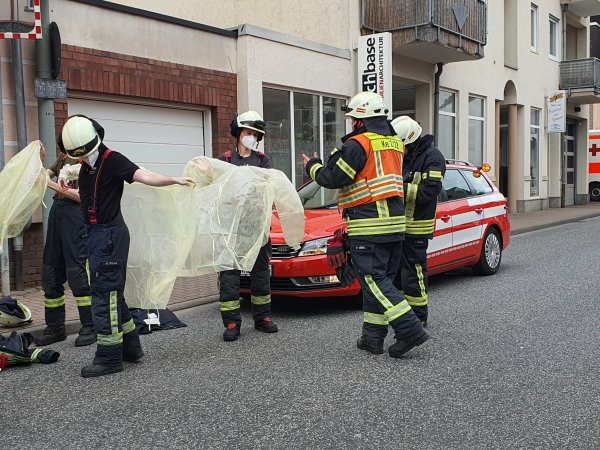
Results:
<point x="160" y="139"/>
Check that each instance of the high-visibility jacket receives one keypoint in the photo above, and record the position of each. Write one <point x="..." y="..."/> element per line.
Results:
<point x="380" y="178"/>
<point x="368" y="172"/>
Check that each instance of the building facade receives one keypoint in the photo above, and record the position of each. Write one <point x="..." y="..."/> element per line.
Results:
<point x="165" y="80"/>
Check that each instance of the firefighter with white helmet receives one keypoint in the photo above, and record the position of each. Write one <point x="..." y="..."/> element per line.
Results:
<point x="423" y="171"/>
<point x="249" y="129"/>
<point x="367" y="170"/>
<point x="101" y="181"/>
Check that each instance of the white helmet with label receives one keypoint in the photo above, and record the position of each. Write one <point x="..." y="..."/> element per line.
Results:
<point x="366" y="104"/>
<point x="81" y="136"/>
<point x="13" y="313"/>
<point x="407" y="129"/>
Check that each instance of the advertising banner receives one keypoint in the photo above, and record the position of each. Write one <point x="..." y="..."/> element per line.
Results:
<point x="557" y="111"/>
<point x="375" y="66"/>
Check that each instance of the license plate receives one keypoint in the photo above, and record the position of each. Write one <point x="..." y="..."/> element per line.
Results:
<point x="245" y="273"/>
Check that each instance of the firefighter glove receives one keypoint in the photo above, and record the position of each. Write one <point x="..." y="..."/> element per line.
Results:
<point x="336" y="255"/>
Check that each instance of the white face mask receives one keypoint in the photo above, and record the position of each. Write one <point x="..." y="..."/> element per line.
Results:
<point x="91" y="160"/>
<point x="249" y="142"/>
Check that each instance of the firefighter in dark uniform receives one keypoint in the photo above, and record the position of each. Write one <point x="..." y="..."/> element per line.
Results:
<point x="65" y="259"/>
<point x="248" y="129"/>
<point x="423" y="171"/>
<point x="367" y="170"/>
<point x="101" y="182"/>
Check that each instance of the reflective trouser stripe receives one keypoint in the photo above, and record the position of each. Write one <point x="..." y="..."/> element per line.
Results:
<point x="377" y="293"/>
<point x="110" y="339"/>
<point x="54" y="302"/>
<point x="229" y="306"/>
<point x="397" y="311"/>
<point x="113" y="306"/>
<point x="260" y="299"/>
<point x="128" y="326"/>
<point x="420" y="300"/>
<point x="87" y="270"/>
<point x="375" y="319"/>
<point x="84" y="301"/>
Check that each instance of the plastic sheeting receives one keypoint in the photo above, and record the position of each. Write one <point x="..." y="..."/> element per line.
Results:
<point x="23" y="182"/>
<point x="219" y="224"/>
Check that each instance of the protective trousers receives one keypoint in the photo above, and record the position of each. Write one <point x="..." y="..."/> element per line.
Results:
<point x="260" y="289"/>
<point x="65" y="259"/>
<point x="108" y="247"/>
<point x="411" y="279"/>
<point x="376" y="265"/>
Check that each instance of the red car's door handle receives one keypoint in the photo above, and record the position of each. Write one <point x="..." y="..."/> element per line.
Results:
<point x="445" y="218"/>
<point x="478" y="210"/>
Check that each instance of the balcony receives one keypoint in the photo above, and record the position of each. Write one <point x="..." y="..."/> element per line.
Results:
<point x="434" y="31"/>
<point x="581" y="77"/>
<point x="583" y="8"/>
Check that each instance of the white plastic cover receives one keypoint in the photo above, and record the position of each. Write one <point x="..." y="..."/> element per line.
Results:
<point x="219" y="224"/>
<point x="23" y="182"/>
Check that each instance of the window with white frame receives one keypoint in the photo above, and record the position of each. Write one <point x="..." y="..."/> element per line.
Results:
<point x="534" y="28"/>
<point x="534" y="158"/>
<point x="297" y="123"/>
<point x="447" y="123"/>
<point x="476" y="129"/>
<point x="553" y="36"/>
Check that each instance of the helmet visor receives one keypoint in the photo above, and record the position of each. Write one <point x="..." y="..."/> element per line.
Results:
<point x="258" y="125"/>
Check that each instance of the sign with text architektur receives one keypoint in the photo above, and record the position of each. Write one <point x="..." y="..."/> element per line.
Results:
<point x="375" y="66"/>
<point x="557" y="111"/>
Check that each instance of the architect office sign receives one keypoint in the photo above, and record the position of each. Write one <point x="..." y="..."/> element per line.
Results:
<point x="375" y="66"/>
<point x="557" y="111"/>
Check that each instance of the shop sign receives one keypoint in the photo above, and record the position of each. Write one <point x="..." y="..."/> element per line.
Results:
<point x="557" y="111"/>
<point x="375" y="66"/>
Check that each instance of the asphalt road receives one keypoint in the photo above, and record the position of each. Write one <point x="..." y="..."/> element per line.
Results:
<point x="513" y="363"/>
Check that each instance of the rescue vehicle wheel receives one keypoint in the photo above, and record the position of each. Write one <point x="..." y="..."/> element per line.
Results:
<point x="595" y="192"/>
<point x="491" y="254"/>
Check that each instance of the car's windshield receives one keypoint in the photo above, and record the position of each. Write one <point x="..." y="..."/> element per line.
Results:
<point x="314" y="196"/>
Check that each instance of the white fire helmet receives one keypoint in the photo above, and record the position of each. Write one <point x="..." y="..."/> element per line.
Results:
<point x="250" y="120"/>
<point x="13" y="313"/>
<point x="407" y="129"/>
<point x="81" y="136"/>
<point x="366" y="104"/>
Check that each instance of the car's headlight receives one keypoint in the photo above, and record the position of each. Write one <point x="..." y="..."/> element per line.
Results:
<point x="315" y="247"/>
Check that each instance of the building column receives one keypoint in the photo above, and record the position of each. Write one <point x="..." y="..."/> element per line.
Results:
<point x="496" y="165"/>
<point x="513" y="158"/>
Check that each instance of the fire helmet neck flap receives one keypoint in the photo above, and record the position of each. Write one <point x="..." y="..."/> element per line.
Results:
<point x="250" y="120"/>
<point x="365" y="104"/>
<point x="80" y="137"/>
<point x="407" y="129"/>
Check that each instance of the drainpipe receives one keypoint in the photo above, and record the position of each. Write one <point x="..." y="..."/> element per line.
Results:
<point x="4" y="262"/>
<point x="563" y="153"/>
<point x="46" y="130"/>
<point x="17" y="57"/>
<point x="436" y="101"/>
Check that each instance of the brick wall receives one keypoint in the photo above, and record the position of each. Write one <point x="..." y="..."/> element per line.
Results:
<point x="97" y="71"/>
<point x="33" y="249"/>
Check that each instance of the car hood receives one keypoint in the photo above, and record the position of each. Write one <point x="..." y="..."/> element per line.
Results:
<point x="318" y="223"/>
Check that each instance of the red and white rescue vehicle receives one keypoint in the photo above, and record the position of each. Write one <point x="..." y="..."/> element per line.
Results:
<point x="472" y="229"/>
<point x="594" y="165"/>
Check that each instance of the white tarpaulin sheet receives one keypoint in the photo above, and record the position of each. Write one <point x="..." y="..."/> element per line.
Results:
<point x="219" y="224"/>
<point x="23" y="182"/>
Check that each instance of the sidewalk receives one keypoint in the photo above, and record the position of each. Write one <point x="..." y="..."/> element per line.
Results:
<point x="189" y="292"/>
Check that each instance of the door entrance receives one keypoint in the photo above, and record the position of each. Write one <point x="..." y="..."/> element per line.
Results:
<point x="569" y="164"/>
<point x="503" y="173"/>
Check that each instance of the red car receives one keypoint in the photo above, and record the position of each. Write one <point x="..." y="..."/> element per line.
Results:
<point x="471" y="230"/>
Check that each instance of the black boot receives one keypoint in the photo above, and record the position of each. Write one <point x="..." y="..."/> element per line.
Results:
<point x="87" y="336"/>
<point x="266" y="325"/>
<point x="97" y="370"/>
<point x="403" y="345"/>
<point x="371" y="345"/>
<point x="232" y="332"/>
<point x="133" y="356"/>
<point x="51" y="335"/>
